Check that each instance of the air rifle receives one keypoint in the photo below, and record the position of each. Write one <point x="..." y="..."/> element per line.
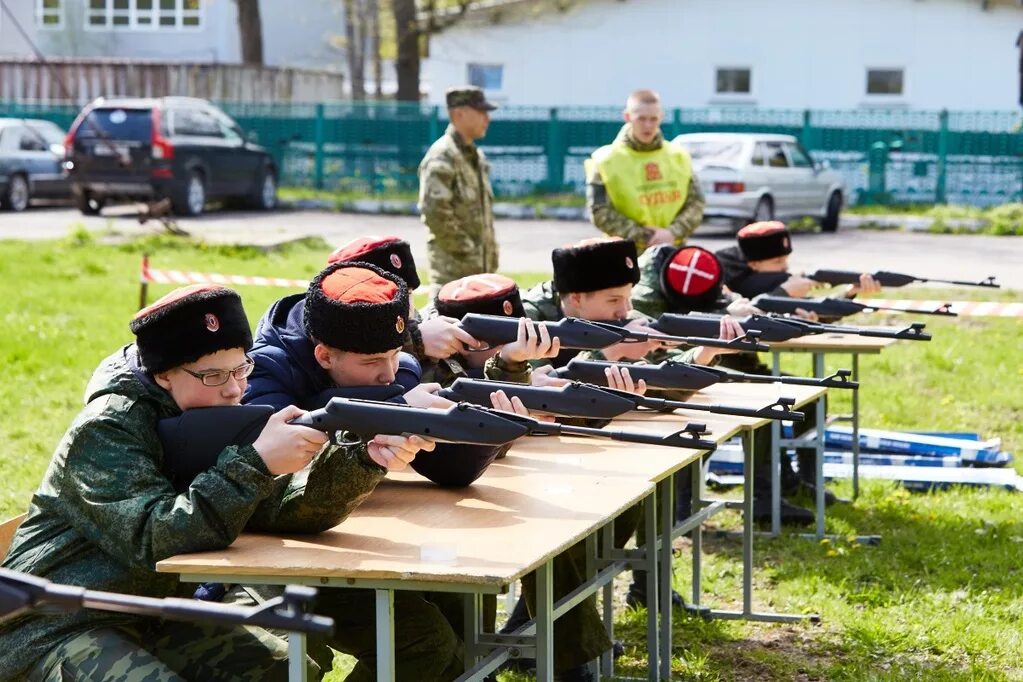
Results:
<point x="598" y="402"/>
<point x="671" y="375"/>
<point x="465" y="423"/>
<point x="834" y="307"/>
<point x="577" y="334"/>
<point x="777" y="329"/>
<point x="21" y="593"/>
<point x="891" y="279"/>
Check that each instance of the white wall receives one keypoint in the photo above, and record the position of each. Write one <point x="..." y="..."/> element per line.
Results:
<point x="803" y="53"/>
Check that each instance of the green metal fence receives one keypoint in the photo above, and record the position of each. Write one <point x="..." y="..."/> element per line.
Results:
<point x="884" y="156"/>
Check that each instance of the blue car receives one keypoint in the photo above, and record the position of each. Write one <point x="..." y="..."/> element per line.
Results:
<point x="31" y="162"/>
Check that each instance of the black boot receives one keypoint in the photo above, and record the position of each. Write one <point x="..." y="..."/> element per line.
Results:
<point x="790" y="513"/>
<point x="519" y="617"/>
<point x="806" y="480"/>
<point x="637" y="597"/>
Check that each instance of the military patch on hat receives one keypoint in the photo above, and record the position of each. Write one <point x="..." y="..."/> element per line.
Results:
<point x="486" y="294"/>
<point x="468" y="96"/>
<point x="189" y="323"/>
<point x="595" y="264"/>
<point x="389" y="253"/>
<point x="691" y="278"/>
<point x="357" y="307"/>
<point x="764" y="240"/>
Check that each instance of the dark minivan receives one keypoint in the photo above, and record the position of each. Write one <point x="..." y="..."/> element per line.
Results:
<point x="181" y="148"/>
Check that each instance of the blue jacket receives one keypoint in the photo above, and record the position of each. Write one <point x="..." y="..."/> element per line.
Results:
<point x="287" y="373"/>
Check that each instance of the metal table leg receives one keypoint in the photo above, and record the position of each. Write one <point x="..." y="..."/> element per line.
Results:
<point x="776" y="459"/>
<point x="856" y="427"/>
<point x="472" y="624"/>
<point x="591" y="570"/>
<point x="697" y="504"/>
<point x="607" y="661"/>
<point x="385" y="635"/>
<point x="818" y="460"/>
<point x="545" y="622"/>
<point x="297" y="669"/>
<point x="666" y="490"/>
<point x="650" y="558"/>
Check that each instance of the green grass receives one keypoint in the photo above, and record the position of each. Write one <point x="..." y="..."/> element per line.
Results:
<point x="939" y="599"/>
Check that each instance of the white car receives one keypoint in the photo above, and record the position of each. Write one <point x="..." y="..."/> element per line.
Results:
<point x="747" y="177"/>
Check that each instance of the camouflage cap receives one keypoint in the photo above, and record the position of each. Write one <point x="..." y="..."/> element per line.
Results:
<point x="468" y="96"/>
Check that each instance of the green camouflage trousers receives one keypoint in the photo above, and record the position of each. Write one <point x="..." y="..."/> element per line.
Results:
<point x="170" y="652"/>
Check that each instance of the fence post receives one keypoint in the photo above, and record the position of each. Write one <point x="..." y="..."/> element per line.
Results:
<point x="807" y="131"/>
<point x="676" y="122"/>
<point x="939" y="186"/>
<point x="433" y="128"/>
<point x="318" y="135"/>
<point x="555" y="152"/>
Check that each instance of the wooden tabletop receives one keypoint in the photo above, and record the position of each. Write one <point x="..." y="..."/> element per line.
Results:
<point x="833" y="343"/>
<point x="546" y="495"/>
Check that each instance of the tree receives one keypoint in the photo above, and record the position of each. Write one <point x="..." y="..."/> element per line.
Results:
<point x="250" y="32"/>
<point x="412" y="26"/>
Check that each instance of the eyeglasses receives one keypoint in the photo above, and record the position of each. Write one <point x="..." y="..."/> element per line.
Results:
<point x="219" y="377"/>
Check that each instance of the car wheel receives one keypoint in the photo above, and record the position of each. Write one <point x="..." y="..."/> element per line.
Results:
<point x="764" y="210"/>
<point x="18" y="194"/>
<point x="830" y="221"/>
<point x="191" y="198"/>
<point x="264" y="193"/>
<point x="88" y="204"/>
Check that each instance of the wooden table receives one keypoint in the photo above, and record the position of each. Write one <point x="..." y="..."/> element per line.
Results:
<point x="820" y="345"/>
<point x="413" y="535"/>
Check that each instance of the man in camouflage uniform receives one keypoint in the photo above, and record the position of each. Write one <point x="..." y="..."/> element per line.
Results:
<point x="107" y="510"/>
<point x="455" y="197"/>
<point x="593" y="280"/>
<point x="640" y="187"/>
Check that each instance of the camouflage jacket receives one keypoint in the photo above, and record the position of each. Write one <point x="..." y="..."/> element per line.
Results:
<point x="456" y="204"/>
<point x="106" y="513"/>
<point x="610" y="221"/>
<point x="543" y="304"/>
<point x="647" y="296"/>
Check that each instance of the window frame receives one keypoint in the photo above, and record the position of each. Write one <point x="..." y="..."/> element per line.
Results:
<point x="485" y="65"/>
<point x="733" y="93"/>
<point x="41" y="12"/>
<point x="901" y="70"/>
<point x="155" y="13"/>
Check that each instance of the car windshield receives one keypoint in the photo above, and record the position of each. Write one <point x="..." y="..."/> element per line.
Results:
<point x="118" y="124"/>
<point x="725" y="152"/>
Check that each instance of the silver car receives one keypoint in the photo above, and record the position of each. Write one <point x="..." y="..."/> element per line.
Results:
<point x="747" y="177"/>
<point x="31" y="162"/>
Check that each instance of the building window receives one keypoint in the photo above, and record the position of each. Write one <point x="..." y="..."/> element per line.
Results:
<point x="50" y="13"/>
<point x="733" y="81"/>
<point x="885" y="81"/>
<point x="486" y="76"/>
<point x="143" y="15"/>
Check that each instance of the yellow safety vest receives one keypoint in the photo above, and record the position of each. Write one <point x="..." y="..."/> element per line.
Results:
<point x="648" y="187"/>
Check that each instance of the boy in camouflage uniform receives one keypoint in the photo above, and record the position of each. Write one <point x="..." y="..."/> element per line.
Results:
<point x="640" y="187"/>
<point x="593" y="280"/>
<point x="687" y="280"/>
<point x="107" y="511"/>
<point x="455" y="196"/>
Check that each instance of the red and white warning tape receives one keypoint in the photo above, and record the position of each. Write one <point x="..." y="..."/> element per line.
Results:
<point x="182" y="277"/>
<point x="964" y="308"/>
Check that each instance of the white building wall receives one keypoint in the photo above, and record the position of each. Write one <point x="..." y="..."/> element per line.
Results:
<point x="803" y="53"/>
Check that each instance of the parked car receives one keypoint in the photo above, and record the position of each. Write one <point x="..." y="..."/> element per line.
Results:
<point x="31" y="162"/>
<point x="752" y="177"/>
<point x="181" y="148"/>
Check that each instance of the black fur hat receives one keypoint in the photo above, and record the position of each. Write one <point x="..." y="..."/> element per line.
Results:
<point x="486" y="294"/>
<point x="765" y="240"/>
<point x="388" y="253"/>
<point x="357" y="307"/>
<point x="595" y="264"/>
<point x="189" y="323"/>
